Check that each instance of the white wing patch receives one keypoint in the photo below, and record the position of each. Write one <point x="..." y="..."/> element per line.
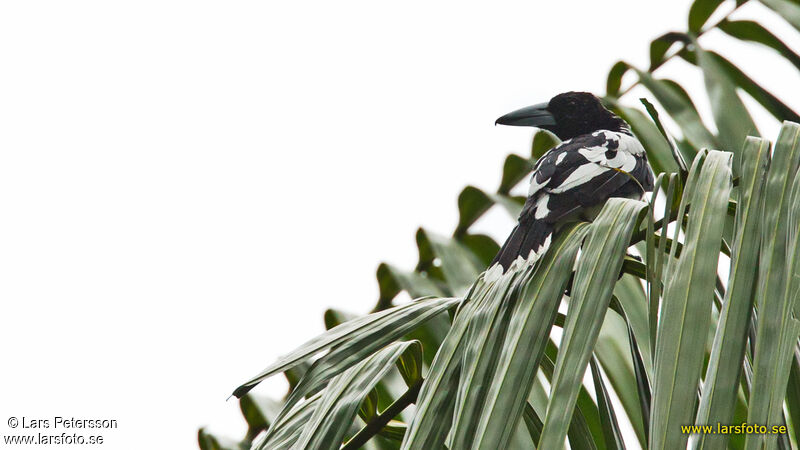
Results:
<point x="536" y="186"/>
<point x="622" y="160"/>
<point x="541" y="207"/>
<point x="580" y="176"/>
<point x="628" y="143"/>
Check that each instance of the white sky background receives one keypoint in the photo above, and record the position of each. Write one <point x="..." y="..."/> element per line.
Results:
<point x="186" y="186"/>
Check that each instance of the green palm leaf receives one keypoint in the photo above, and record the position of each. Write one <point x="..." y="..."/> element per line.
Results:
<point x="594" y="280"/>
<point x="774" y="306"/>
<point x="530" y="298"/>
<point x="353" y="340"/>
<point x="727" y="355"/>
<point x="686" y="310"/>
<point x="338" y="404"/>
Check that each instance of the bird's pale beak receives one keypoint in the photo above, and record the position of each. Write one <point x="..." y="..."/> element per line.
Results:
<point x="530" y="116"/>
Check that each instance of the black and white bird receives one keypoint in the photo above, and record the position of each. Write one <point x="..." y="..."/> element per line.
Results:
<point x="598" y="158"/>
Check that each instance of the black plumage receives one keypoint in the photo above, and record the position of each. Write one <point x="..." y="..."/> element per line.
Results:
<point x="599" y="158"/>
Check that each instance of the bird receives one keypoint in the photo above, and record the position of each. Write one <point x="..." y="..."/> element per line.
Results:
<point x="598" y="158"/>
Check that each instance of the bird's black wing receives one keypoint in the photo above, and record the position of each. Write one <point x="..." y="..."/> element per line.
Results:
<point x="571" y="178"/>
<point x="584" y="172"/>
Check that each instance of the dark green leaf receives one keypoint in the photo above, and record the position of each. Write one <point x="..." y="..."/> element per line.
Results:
<point x="482" y="246"/>
<point x="542" y="142"/>
<point x="207" y="441"/>
<point x="676" y="156"/>
<point x="533" y="423"/>
<point x="661" y="45"/>
<point x="615" y="75"/>
<point x="677" y="103"/>
<point x="748" y="30"/>
<point x="613" y="353"/>
<point x="699" y="13"/>
<point x="472" y="203"/>
<point x="459" y="267"/>
<point x="258" y="412"/>
<point x="392" y="280"/>
<point x="334" y="318"/>
<point x="514" y="170"/>
<point x="611" y="431"/>
<point x="771" y="103"/>
<point x="731" y="116"/>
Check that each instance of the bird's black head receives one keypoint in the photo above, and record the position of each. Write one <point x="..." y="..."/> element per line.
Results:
<point x="567" y="115"/>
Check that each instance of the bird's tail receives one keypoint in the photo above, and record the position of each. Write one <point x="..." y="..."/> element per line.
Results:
<point x="528" y="237"/>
